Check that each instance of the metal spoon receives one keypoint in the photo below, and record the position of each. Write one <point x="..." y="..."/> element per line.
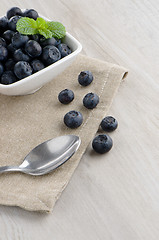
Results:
<point x="47" y="156"/>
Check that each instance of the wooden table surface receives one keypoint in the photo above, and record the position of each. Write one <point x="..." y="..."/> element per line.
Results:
<point x="113" y="196"/>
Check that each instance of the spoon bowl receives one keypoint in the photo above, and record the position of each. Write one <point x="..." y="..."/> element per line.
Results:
<point x="47" y="156"/>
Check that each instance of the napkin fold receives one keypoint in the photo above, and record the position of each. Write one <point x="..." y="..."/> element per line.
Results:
<point x="29" y="120"/>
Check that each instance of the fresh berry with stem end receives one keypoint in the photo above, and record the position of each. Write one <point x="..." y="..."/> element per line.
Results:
<point x="37" y="65"/>
<point x="66" y="96"/>
<point x="22" y="69"/>
<point x="8" y="77"/>
<point x="73" y="119"/>
<point x="64" y="49"/>
<point x="85" y="78"/>
<point x="90" y="100"/>
<point x="109" y="124"/>
<point x="102" y="143"/>
<point x="14" y="11"/>
<point x="50" y="54"/>
<point x="33" y="48"/>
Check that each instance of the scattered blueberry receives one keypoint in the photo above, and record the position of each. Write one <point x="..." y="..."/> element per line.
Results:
<point x="3" y="42"/>
<point x="3" y="53"/>
<point x="50" y="54"/>
<point x="102" y="143"/>
<point x="64" y="49"/>
<point x="12" y="22"/>
<point x="19" y="55"/>
<point x="22" y="69"/>
<point x="13" y="12"/>
<point x="1" y="69"/>
<point x="66" y="96"/>
<point x="18" y="40"/>
<point x="33" y="48"/>
<point x="8" y="77"/>
<point x="50" y="41"/>
<point x="31" y="13"/>
<point x="90" y="100"/>
<point x="9" y="64"/>
<point x="85" y="78"/>
<point x="7" y="35"/>
<point x="3" y="23"/>
<point x="109" y="124"/>
<point x="37" y="65"/>
<point x="73" y="119"/>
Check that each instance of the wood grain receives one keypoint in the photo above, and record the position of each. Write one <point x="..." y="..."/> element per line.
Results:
<point x="114" y="196"/>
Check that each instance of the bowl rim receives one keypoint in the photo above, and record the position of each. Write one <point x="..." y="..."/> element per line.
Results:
<point x="74" y="53"/>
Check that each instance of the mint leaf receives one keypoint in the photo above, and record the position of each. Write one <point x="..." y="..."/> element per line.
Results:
<point x="41" y="23"/>
<point x="57" y="29"/>
<point x="27" y="26"/>
<point x="45" y="32"/>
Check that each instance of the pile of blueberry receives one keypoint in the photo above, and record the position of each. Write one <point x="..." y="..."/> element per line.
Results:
<point x="73" y="119"/>
<point x="23" y="55"/>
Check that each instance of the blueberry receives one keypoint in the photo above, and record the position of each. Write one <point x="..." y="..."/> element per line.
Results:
<point x="33" y="48"/>
<point x="66" y="96"/>
<point x="1" y="69"/>
<point x="90" y="100"/>
<point x="3" y="42"/>
<point x="37" y="65"/>
<point x="3" y="23"/>
<point x="109" y="124"/>
<point x="8" y="77"/>
<point x="73" y="119"/>
<point x="22" y="69"/>
<point x="85" y="78"/>
<point x="13" y="12"/>
<point x="7" y="35"/>
<point x="12" y="22"/>
<point x="18" y="40"/>
<point x="102" y="143"/>
<point x="9" y="64"/>
<point x="50" y="54"/>
<point x="3" y="53"/>
<point x="58" y="41"/>
<point x="64" y="49"/>
<point x="35" y="37"/>
<point x="31" y="13"/>
<point x="20" y="56"/>
<point x="11" y="48"/>
<point x="50" y="41"/>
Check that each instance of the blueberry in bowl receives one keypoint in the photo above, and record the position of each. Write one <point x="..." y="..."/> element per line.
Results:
<point x="34" y="58"/>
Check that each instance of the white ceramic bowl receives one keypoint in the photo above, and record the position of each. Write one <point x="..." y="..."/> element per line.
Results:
<point x="34" y="82"/>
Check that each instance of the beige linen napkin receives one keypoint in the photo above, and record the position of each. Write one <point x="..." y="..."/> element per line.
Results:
<point x="28" y="120"/>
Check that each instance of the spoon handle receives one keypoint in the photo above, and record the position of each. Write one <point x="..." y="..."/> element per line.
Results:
<point x="9" y="169"/>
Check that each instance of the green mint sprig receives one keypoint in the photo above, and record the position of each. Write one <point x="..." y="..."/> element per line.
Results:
<point x="48" y="29"/>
